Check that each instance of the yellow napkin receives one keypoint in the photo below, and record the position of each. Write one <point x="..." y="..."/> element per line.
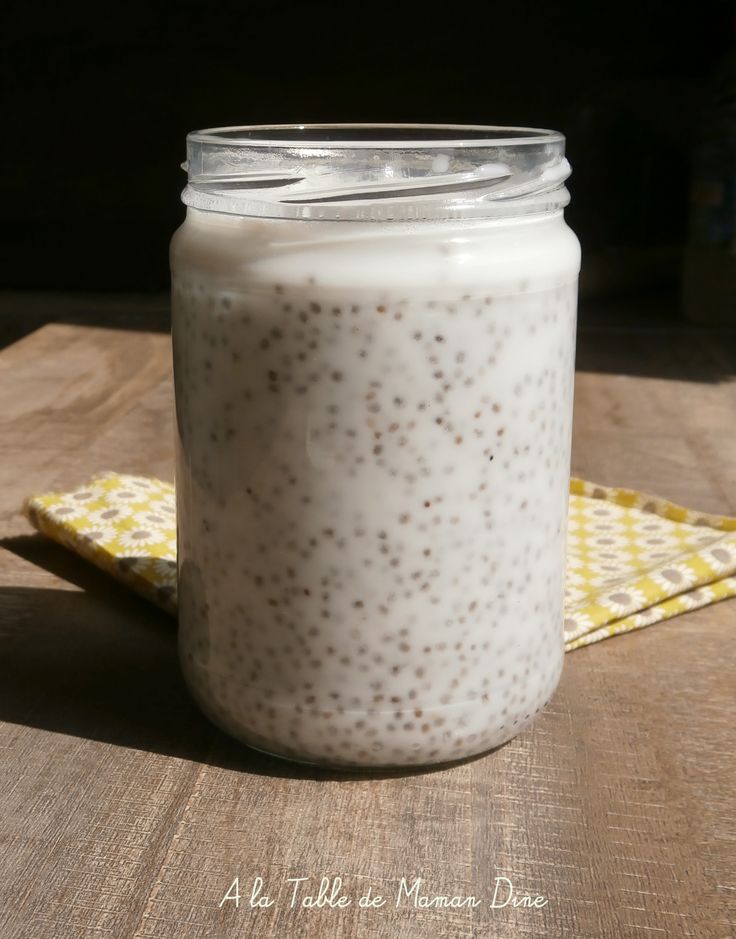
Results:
<point x="632" y="561"/>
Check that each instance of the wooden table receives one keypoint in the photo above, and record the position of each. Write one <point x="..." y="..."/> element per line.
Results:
<point x="123" y="813"/>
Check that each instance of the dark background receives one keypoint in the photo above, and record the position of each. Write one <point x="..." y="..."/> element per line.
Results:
<point x="98" y="99"/>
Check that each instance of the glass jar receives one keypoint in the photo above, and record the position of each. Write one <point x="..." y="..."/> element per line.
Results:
<point x="374" y="337"/>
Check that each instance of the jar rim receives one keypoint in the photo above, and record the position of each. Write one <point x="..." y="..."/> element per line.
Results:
<point x="370" y="135"/>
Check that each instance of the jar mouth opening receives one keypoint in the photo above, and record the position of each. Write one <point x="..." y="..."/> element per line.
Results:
<point x="379" y="136"/>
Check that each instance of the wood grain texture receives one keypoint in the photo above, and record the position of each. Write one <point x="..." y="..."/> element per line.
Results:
<point x="124" y="813"/>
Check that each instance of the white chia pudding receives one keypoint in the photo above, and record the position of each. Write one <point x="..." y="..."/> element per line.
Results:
<point x="374" y="428"/>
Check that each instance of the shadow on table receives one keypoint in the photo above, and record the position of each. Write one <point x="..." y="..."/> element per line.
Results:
<point x="644" y="336"/>
<point x="101" y="664"/>
<point x="22" y="312"/>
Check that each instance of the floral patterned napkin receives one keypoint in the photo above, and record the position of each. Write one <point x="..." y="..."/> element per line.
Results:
<point x="633" y="560"/>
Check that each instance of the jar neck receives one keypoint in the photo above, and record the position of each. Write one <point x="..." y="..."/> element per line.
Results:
<point x="360" y="173"/>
